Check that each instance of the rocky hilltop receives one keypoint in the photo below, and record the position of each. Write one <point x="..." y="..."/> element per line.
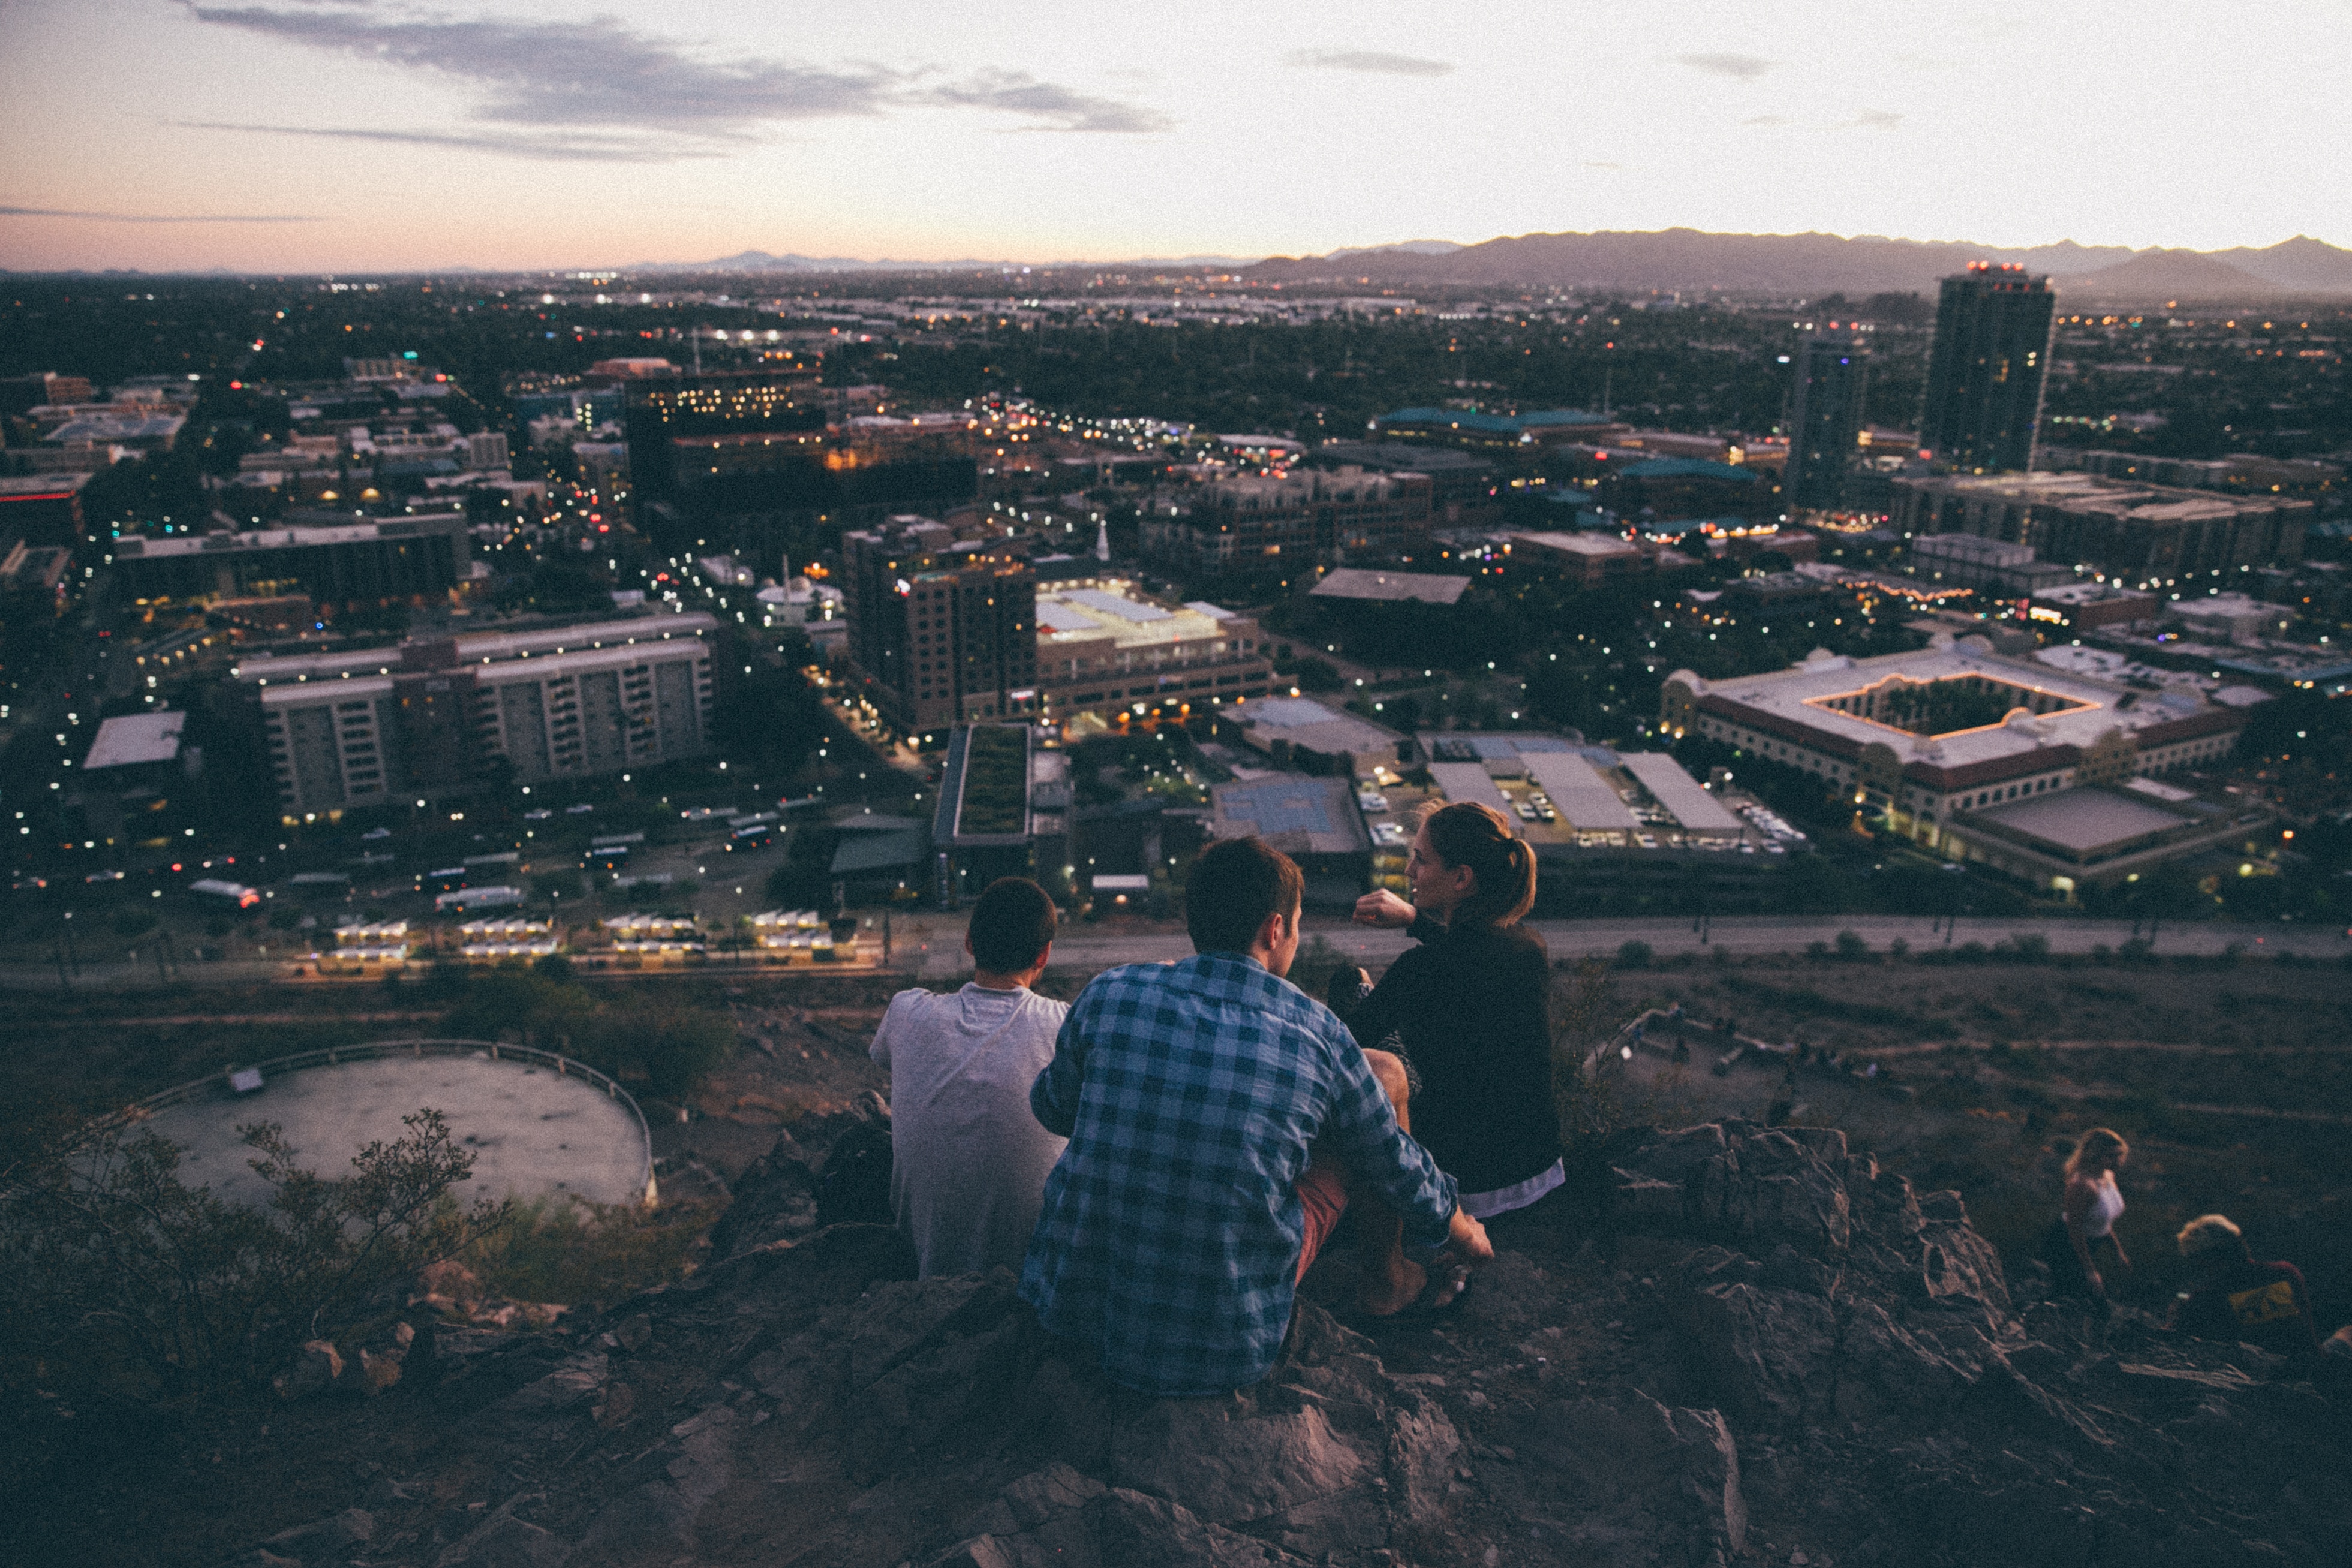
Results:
<point x="1741" y="1344"/>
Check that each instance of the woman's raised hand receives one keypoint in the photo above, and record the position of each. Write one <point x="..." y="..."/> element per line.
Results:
<point x="1383" y="908"/>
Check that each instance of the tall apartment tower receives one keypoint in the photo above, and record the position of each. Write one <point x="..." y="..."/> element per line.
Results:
<point x="1825" y="414"/>
<point x="1985" y="371"/>
<point x="942" y="633"/>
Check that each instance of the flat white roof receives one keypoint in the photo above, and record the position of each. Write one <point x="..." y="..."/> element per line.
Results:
<point x="1356" y="582"/>
<point x="136" y="737"/>
<point x="1685" y="801"/>
<point x="1791" y="694"/>
<point x="1584" y="800"/>
<point x="2083" y="820"/>
<point x="1467" y="781"/>
<point x="1108" y="611"/>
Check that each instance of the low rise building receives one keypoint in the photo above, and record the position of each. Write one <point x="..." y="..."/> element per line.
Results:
<point x="1299" y="732"/>
<point x="1970" y="560"/>
<point x="1103" y="644"/>
<point x="1315" y="821"/>
<point x="1935" y="737"/>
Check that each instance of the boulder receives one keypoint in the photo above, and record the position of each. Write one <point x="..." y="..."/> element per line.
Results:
<point x="1622" y="1455"/>
<point x="318" y="1367"/>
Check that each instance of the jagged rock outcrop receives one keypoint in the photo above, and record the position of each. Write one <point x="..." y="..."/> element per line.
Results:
<point x="1738" y="1343"/>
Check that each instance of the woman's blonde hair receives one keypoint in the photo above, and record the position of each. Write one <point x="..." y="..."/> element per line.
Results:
<point x="1504" y="864"/>
<point x="2100" y="1150"/>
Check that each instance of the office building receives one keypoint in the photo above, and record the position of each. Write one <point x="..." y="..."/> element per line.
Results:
<point x="2143" y="536"/>
<point x="941" y="632"/>
<point x="1826" y="395"/>
<point x="441" y="718"/>
<point x="2241" y="473"/>
<point x="1004" y="809"/>
<point x="1985" y="370"/>
<point x="364" y="562"/>
<point x="1293" y="523"/>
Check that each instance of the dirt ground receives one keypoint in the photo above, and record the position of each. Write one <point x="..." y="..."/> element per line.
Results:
<point x="2234" y="1084"/>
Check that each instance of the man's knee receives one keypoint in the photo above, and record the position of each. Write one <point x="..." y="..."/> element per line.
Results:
<point x="1387" y="1068"/>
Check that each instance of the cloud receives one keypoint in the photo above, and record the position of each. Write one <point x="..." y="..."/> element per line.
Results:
<point x="653" y="99"/>
<point x="570" y="148"/>
<point x="1767" y="120"/>
<point x="1745" y="67"/>
<point x="1058" y="108"/>
<point x="158" y="217"/>
<point x="1374" y="61"/>
<point x="1877" y="119"/>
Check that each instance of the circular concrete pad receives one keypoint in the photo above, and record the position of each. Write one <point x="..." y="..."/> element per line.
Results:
<point x="532" y="1132"/>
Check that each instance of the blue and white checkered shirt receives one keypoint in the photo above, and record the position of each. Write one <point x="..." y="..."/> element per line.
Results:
<point x="1169" y="1236"/>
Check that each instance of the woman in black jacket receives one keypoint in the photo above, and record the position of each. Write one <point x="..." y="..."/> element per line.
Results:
<point x="1469" y="1010"/>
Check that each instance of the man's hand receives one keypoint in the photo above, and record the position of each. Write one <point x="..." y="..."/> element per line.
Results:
<point x="1383" y="909"/>
<point x="1465" y="1238"/>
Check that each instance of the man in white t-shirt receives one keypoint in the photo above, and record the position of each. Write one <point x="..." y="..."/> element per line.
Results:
<point x="968" y="1158"/>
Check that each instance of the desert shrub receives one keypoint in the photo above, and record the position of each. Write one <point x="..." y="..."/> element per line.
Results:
<point x="1635" y="955"/>
<point x="575" y="1251"/>
<point x="1851" y="946"/>
<point x="2029" y="947"/>
<point x="117" y="1281"/>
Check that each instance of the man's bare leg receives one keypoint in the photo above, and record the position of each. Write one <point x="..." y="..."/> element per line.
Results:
<point x="1390" y="1281"/>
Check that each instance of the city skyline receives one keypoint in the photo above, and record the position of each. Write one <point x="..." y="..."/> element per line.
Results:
<point x="381" y="135"/>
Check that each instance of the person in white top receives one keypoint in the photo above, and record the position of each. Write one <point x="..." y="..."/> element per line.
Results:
<point x="2084" y="1231"/>
<point x="968" y="1159"/>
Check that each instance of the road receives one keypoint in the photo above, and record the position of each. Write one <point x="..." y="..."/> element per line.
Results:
<point x="930" y="946"/>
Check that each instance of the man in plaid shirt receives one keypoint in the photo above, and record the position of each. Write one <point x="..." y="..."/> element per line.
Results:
<point x="1211" y="1108"/>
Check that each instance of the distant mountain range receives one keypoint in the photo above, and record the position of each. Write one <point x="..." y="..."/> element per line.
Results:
<point x="1816" y="264"/>
<point x="761" y="261"/>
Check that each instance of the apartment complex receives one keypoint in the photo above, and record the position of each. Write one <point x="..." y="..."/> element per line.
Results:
<point x="2146" y="536"/>
<point x="1295" y="522"/>
<point x="441" y="716"/>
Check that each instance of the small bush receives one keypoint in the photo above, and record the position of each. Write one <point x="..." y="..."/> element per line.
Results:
<point x="554" y="966"/>
<point x="578" y="1251"/>
<point x="133" y="922"/>
<point x="2030" y="948"/>
<point x="1819" y="952"/>
<point x="117" y="1281"/>
<point x="285" y="919"/>
<point x="1635" y="955"/>
<point x="1898" y="949"/>
<point x="1851" y="947"/>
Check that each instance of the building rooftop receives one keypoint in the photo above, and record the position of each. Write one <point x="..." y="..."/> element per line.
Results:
<point x="1498" y="423"/>
<point x="1584" y="800"/>
<point x="480" y="648"/>
<point x="1594" y="544"/>
<point x="2121" y="498"/>
<point x="135" y="738"/>
<point x="1422" y="586"/>
<point x="1112" y="608"/>
<point x="1461" y="782"/>
<point x="1686" y="468"/>
<point x="2082" y="821"/>
<point x="40" y="486"/>
<point x="2077" y="707"/>
<point x="1684" y="799"/>
<point x="1295" y="814"/>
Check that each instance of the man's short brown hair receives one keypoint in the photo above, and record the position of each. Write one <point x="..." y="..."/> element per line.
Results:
<point x="1233" y="887"/>
<point x="1011" y="926"/>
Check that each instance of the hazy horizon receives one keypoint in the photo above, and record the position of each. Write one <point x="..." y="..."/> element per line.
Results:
<point x="383" y="136"/>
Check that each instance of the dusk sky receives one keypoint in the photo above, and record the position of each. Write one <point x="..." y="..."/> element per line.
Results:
<point x="384" y="135"/>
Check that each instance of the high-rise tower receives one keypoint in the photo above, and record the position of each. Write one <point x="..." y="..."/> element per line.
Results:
<point x="1984" y="372"/>
<point x="1825" y="412"/>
